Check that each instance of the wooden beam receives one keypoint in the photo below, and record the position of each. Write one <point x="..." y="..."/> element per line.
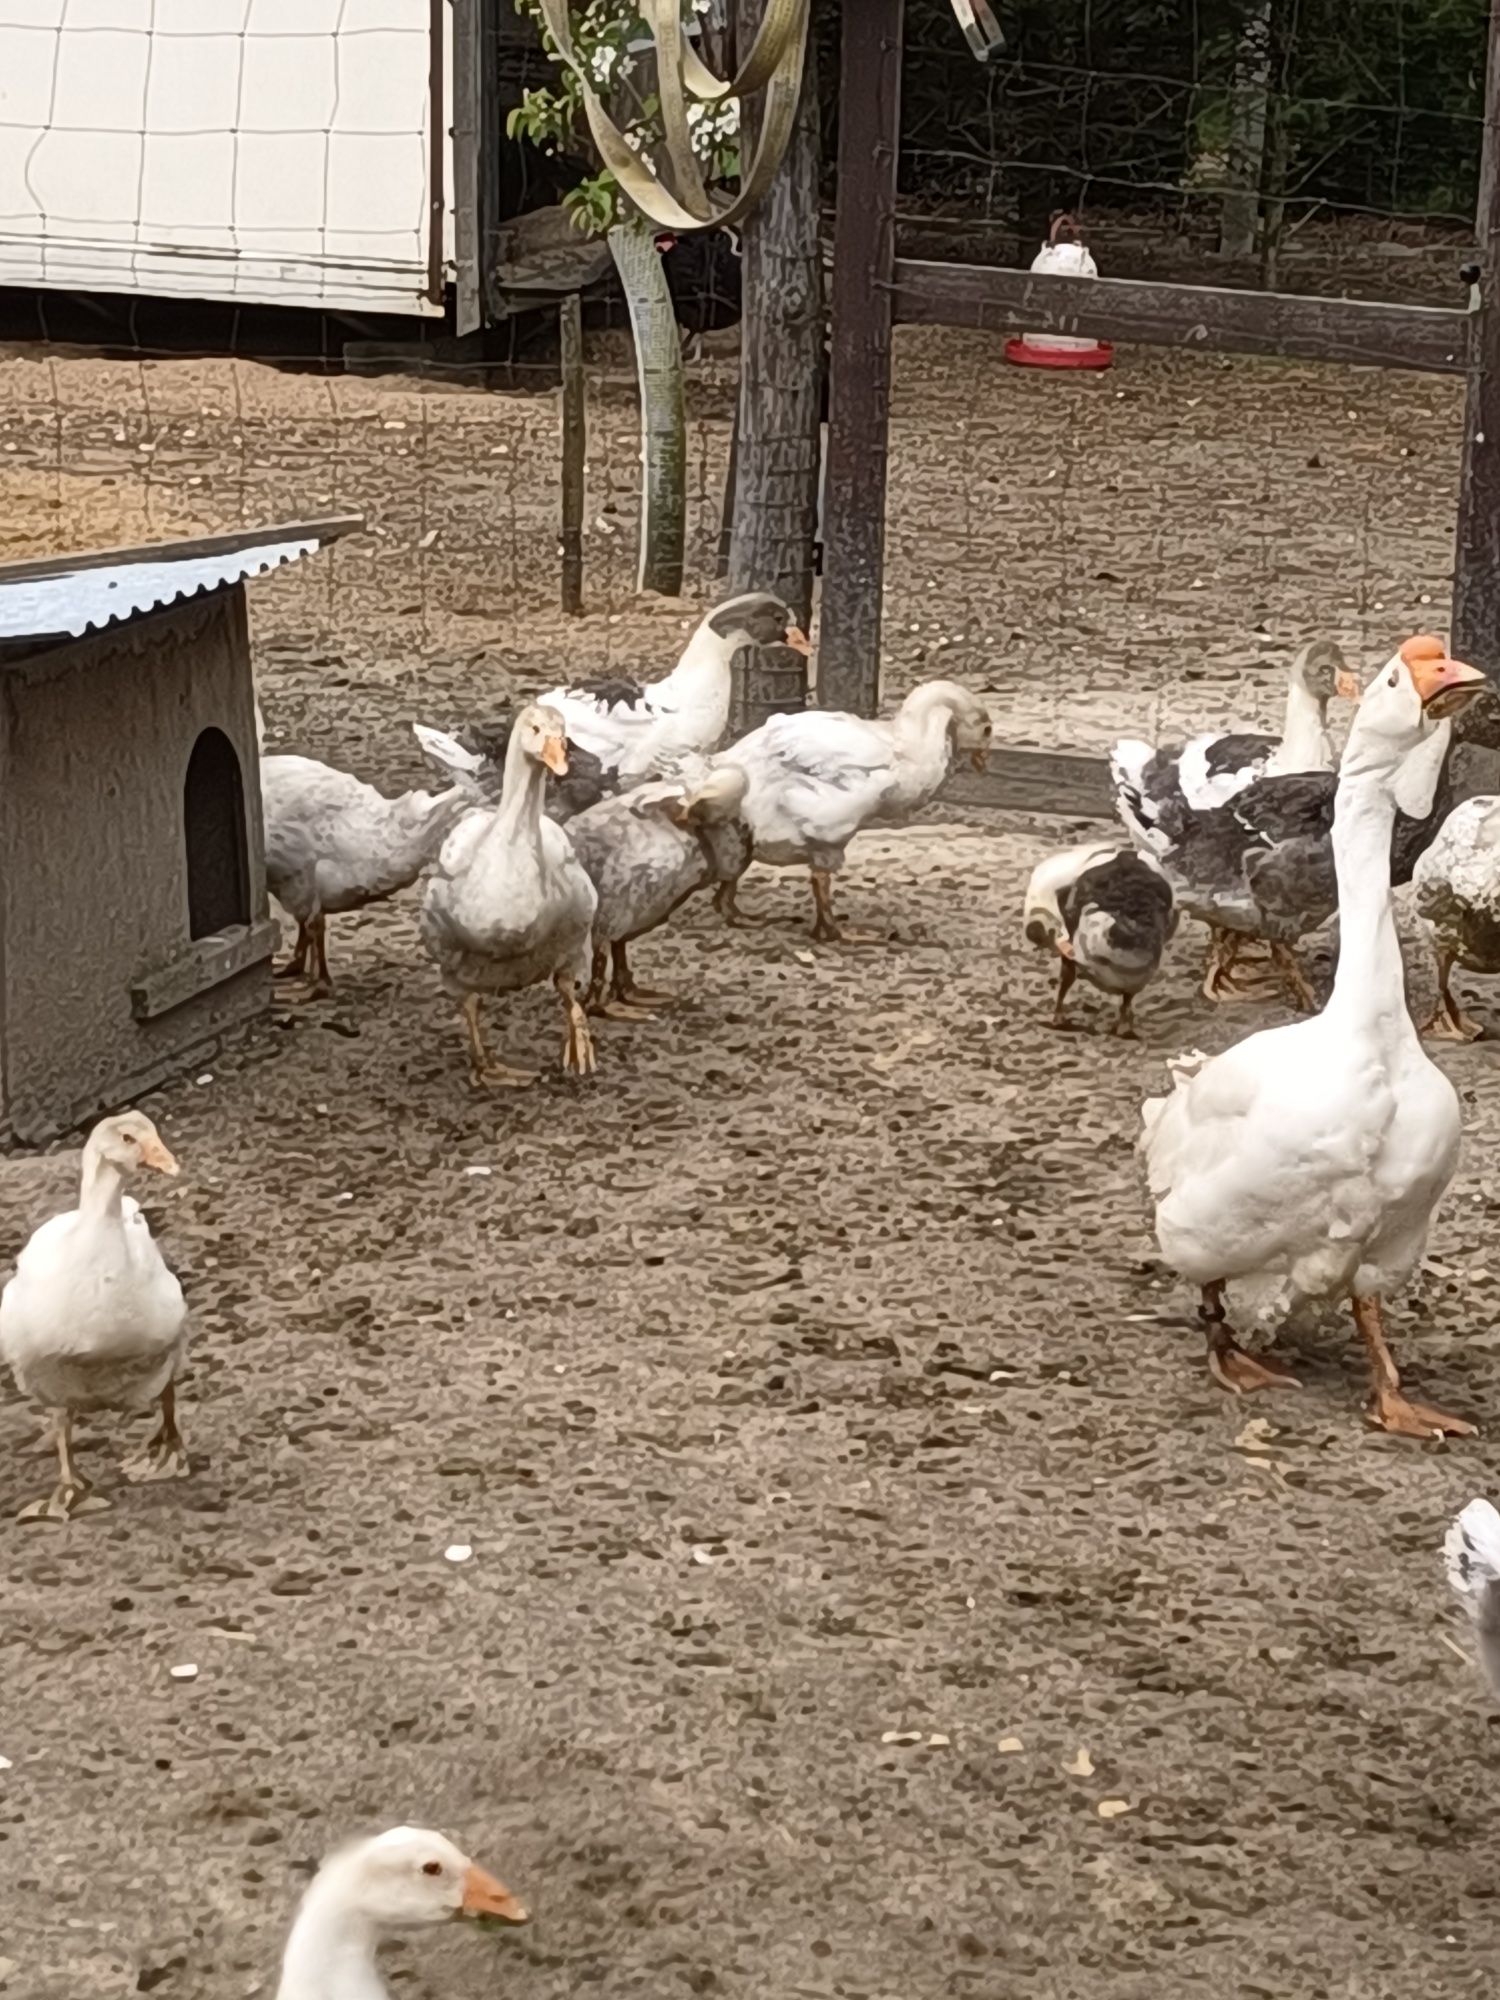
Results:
<point x="574" y="451"/>
<point x="437" y="121"/>
<point x="859" y="414"/>
<point x="1204" y="318"/>
<point x="468" y="58"/>
<point x="1036" y="781"/>
<point x="1476" y="567"/>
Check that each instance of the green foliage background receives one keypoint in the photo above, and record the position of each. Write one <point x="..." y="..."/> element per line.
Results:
<point x="1125" y="102"/>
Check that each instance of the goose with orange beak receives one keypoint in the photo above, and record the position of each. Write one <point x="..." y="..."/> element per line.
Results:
<point x="94" y="1320"/>
<point x="405" y="1879"/>
<point x="1304" y="1165"/>
<point x="508" y="904"/>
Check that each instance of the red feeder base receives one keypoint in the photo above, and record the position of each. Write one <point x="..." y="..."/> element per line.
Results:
<point x="1021" y="351"/>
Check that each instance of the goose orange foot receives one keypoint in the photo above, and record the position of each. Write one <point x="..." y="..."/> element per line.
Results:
<point x="1390" y="1411"/>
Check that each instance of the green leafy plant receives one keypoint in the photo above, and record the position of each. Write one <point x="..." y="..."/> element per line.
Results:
<point x="612" y="41"/>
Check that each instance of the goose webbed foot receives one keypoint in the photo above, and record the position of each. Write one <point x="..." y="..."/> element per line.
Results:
<point x="164" y="1455"/>
<point x="642" y="1001"/>
<point x="1387" y="1408"/>
<point x="1225" y="976"/>
<point x="312" y="943"/>
<point x="1124" y="1029"/>
<point x="827" y="928"/>
<point x="68" y="1501"/>
<point x="578" y="1041"/>
<point x="72" y="1497"/>
<point x="484" y="1072"/>
<point x="726" y="904"/>
<point x="1231" y="1367"/>
<point x="1390" y="1411"/>
<point x="1294" y="978"/>
<point x="1449" y="1022"/>
<point x="1067" y="972"/>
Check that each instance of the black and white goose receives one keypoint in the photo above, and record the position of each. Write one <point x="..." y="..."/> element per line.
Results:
<point x="1213" y="768"/>
<point x="1261" y="866"/>
<point x="622" y="732"/>
<point x="1107" y="913"/>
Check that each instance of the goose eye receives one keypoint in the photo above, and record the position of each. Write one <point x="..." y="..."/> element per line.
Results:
<point x="1393" y="680"/>
<point x="432" y="1867"/>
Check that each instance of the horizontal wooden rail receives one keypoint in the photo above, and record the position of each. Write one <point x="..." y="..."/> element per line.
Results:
<point x="1036" y="781"/>
<point x="1431" y="340"/>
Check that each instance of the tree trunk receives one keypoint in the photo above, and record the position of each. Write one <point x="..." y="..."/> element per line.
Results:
<point x="781" y="374"/>
<point x="1247" y="133"/>
<point x="1278" y="146"/>
<point x="658" y="361"/>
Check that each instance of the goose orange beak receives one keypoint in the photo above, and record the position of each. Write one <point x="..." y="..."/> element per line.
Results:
<point x="555" y="756"/>
<point x="1348" y="685"/>
<point x="798" y="640"/>
<point x="1445" y="685"/>
<point x="485" y="1897"/>
<point x="155" y="1154"/>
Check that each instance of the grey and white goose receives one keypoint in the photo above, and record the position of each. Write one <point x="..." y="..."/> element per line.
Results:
<point x="622" y="731"/>
<point x="1108" y="915"/>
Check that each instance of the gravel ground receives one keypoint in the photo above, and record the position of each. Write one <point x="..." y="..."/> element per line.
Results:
<point x="855" y="1529"/>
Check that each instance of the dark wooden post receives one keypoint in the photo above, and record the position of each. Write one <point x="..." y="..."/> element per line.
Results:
<point x="1476" y="573"/>
<point x="777" y="432"/>
<point x="864" y="246"/>
<point x="574" y="447"/>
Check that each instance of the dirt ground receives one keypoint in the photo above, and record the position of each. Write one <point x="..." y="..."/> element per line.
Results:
<point x="870" y="1598"/>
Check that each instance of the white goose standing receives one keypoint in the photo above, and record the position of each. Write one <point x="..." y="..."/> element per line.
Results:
<point x="507" y="903"/>
<point x="404" y="1879"/>
<point x="1308" y="1159"/>
<point x="817" y="776"/>
<point x="94" y="1320"/>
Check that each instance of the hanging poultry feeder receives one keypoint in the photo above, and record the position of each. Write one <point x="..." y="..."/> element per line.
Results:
<point x="1063" y="255"/>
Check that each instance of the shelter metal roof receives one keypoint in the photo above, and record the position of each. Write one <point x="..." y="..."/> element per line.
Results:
<point x="67" y="596"/>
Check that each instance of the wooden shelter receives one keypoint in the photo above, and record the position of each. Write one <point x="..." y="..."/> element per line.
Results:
<point x="134" y="930"/>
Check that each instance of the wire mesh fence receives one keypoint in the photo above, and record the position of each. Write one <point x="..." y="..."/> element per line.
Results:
<point x="1136" y="552"/>
<point x="1317" y="145"/>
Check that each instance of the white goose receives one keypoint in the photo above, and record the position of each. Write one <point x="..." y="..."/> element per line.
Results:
<point x="1307" y="1161"/>
<point x="817" y="776"/>
<point x="334" y="843"/>
<point x="623" y="731"/>
<point x="508" y="904"/>
<point x="405" y="1879"/>
<point x="94" y="1320"/>
<point x="1471" y="1553"/>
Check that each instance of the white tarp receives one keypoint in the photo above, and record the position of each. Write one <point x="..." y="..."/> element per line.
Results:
<point x="275" y="151"/>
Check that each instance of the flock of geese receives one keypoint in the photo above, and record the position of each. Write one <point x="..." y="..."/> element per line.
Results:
<point x="1300" y="1166"/>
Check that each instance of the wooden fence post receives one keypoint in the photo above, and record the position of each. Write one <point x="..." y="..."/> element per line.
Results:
<point x="574" y="448"/>
<point x="860" y="406"/>
<point x="1476" y="576"/>
<point x="776" y="434"/>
